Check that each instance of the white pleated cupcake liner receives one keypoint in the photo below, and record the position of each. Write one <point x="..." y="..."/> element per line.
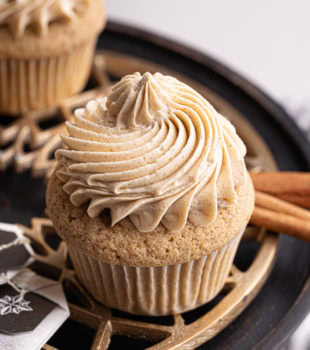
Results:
<point x="156" y="291"/>
<point x="36" y="83"/>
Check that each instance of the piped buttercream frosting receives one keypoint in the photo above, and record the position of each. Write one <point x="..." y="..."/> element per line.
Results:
<point x="155" y="151"/>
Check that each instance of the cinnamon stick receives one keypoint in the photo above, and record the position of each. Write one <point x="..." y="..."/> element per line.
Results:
<point x="277" y="205"/>
<point x="302" y="201"/>
<point x="291" y="186"/>
<point x="280" y="222"/>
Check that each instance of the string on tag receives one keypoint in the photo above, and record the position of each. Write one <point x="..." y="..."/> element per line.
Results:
<point x="17" y="241"/>
<point x="20" y="291"/>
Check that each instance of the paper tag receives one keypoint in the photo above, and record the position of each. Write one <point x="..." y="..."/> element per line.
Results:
<point x="15" y="249"/>
<point x="22" y="313"/>
<point x="32" y="308"/>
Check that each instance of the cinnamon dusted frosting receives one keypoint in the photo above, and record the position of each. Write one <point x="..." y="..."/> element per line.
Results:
<point x="37" y="14"/>
<point x="153" y="150"/>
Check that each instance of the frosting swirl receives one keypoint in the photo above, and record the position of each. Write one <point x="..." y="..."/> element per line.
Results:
<point x="154" y="150"/>
<point x="37" y="14"/>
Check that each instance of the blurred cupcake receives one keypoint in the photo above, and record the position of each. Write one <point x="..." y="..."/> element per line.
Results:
<point x="151" y="195"/>
<point x="46" y="50"/>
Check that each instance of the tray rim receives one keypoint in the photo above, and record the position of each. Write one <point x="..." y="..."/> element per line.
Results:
<point x="299" y="310"/>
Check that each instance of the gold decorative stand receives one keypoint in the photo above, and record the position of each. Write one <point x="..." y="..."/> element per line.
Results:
<point x="29" y="141"/>
<point x="240" y="289"/>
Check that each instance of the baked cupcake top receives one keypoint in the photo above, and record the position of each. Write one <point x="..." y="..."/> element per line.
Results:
<point x="18" y="15"/>
<point x="155" y="151"/>
<point x="36" y="28"/>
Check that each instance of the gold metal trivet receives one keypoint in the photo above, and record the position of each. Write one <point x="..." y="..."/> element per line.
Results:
<point x="240" y="287"/>
<point x="29" y="140"/>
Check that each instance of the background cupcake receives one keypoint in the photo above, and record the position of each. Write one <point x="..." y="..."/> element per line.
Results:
<point x="170" y="170"/>
<point x="46" y="50"/>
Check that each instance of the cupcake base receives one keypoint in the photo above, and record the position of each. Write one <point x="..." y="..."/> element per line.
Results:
<point x="37" y="83"/>
<point x="156" y="291"/>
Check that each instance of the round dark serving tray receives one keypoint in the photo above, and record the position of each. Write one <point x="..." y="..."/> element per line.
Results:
<point x="284" y="301"/>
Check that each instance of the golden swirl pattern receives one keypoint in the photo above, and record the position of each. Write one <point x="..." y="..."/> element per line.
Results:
<point x="153" y="150"/>
<point x="37" y="14"/>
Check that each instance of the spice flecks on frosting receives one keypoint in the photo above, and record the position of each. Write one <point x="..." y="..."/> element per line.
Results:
<point x="154" y="150"/>
<point x="37" y="14"/>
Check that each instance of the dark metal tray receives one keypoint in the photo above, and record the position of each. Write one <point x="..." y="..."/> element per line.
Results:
<point x="285" y="299"/>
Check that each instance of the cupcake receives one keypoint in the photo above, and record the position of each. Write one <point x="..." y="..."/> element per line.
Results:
<point x="46" y="50"/>
<point x="151" y="195"/>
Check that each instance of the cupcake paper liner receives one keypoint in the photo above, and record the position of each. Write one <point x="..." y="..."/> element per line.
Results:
<point x="36" y="83"/>
<point x="156" y="291"/>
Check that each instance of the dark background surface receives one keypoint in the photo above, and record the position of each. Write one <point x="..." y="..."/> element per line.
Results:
<point x="285" y="299"/>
